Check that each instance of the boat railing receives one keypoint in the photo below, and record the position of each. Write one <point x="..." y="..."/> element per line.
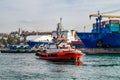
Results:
<point x="53" y="50"/>
<point x="57" y="50"/>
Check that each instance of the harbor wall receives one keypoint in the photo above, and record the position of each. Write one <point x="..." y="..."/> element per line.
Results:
<point x="100" y="50"/>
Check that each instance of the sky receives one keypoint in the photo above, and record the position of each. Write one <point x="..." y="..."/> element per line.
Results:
<point x="43" y="15"/>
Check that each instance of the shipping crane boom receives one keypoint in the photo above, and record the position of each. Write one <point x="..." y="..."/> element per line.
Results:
<point x="103" y="16"/>
<point x="99" y="19"/>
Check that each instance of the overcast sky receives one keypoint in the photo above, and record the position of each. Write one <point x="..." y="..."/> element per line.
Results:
<point x="43" y="15"/>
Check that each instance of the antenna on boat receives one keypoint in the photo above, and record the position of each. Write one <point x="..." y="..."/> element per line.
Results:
<point x="98" y="12"/>
<point x="84" y="28"/>
<point x="61" y="23"/>
<point x="59" y="28"/>
<point x="60" y="20"/>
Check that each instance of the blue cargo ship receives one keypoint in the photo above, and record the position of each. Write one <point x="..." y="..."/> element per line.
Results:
<point x="101" y="40"/>
<point x="105" y="34"/>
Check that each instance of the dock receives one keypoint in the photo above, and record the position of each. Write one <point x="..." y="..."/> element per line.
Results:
<point x="100" y="50"/>
<point x="17" y="51"/>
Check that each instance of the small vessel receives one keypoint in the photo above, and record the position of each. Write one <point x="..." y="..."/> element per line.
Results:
<point x="60" y="51"/>
<point x="62" y="55"/>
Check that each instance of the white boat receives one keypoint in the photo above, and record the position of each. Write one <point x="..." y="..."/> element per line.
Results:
<point x="38" y="40"/>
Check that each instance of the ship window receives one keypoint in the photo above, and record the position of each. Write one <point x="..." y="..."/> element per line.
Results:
<point x="115" y="32"/>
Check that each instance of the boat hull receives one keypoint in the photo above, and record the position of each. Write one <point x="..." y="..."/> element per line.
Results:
<point x="61" y="56"/>
<point x="105" y="40"/>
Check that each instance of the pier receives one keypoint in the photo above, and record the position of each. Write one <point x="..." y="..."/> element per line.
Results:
<point x="100" y="50"/>
<point x="17" y="51"/>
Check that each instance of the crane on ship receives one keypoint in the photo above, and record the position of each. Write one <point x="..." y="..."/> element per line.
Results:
<point x="102" y="15"/>
<point x="105" y="16"/>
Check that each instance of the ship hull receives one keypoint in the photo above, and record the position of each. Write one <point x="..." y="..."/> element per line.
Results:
<point x="104" y="40"/>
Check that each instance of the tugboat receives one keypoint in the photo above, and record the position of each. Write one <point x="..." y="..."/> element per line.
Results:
<point x="62" y="54"/>
<point x="60" y="51"/>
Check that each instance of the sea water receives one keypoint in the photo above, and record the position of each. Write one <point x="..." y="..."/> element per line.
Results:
<point x="27" y="66"/>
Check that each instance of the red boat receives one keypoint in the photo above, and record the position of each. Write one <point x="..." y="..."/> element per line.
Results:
<point x="64" y="54"/>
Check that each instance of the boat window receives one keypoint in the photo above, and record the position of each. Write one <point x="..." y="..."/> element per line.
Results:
<point x="42" y="55"/>
<point x="52" y="55"/>
<point x="69" y="53"/>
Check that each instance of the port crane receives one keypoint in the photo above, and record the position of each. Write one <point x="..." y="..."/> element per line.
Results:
<point x="99" y="18"/>
<point x="104" y="16"/>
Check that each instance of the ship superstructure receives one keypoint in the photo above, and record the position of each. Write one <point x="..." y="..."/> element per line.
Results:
<point x="105" y="34"/>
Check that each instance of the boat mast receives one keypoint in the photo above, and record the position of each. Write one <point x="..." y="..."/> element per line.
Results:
<point x="59" y="29"/>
